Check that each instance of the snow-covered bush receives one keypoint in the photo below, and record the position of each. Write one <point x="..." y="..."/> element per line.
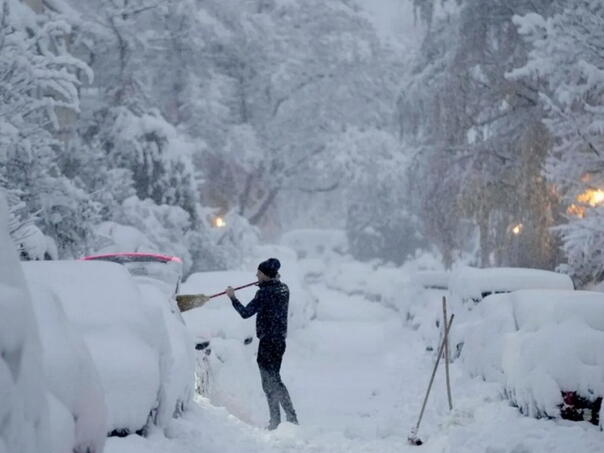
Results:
<point x="72" y="379"/>
<point x="125" y="335"/>
<point x="386" y="284"/>
<point x="399" y="287"/>
<point x="165" y="226"/>
<point x="23" y="403"/>
<point x="31" y="242"/>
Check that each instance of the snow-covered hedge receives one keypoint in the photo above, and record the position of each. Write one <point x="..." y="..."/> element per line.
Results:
<point x="539" y="343"/>
<point x="126" y="337"/>
<point x="23" y="394"/>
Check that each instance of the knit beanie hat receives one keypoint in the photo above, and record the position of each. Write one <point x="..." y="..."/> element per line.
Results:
<point x="270" y="267"/>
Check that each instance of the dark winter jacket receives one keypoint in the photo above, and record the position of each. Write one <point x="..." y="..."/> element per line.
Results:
<point x="270" y="304"/>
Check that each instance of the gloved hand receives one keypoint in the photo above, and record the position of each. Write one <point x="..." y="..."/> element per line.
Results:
<point x="230" y="292"/>
<point x="189" y="301"/>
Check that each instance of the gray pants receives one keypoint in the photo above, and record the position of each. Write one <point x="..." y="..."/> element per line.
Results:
<point x="270" y="356"/>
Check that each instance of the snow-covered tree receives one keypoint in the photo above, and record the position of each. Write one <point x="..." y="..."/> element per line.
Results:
<point x="290" y="97"/>
<point x="470" y="126"/>
<point x="38" y="90"/>
<point x="567" y="61"/>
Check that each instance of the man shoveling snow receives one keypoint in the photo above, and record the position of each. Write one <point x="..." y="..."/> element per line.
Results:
<point x="270" y="304"/>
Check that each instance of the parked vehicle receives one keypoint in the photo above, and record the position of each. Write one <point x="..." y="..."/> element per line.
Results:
<point x="158" y="277"/>
<point x="126" y="335"/>
<point x="545" y="348"/>
<point x="469" y="286"/>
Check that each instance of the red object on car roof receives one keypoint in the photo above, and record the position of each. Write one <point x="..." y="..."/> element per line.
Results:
<point x="133" y="257"/>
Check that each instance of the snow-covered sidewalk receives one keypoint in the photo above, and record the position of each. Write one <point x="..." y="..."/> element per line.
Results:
<point x="357" y="377"/>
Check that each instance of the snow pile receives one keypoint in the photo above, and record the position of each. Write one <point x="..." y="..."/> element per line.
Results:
<point x="78" y="409"/>
<point x="539" y="343"/>
<point x="117" y="238"/>
<point x="126" y="337"/>
<point x="235" y="380"/>
<point x="389" y="285"/>
<point x="316" y="250"/>
<point x="23" y="408"/>
<point x="414" y="290"/>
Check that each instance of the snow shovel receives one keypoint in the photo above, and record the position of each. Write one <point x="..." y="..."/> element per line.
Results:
<point x="413" y="439"/>
<point x="188" y="301"/>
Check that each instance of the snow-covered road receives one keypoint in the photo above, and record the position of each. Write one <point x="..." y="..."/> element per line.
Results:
<point x="357" y="377"/>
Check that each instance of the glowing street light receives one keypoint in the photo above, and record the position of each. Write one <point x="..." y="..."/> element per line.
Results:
<point x="219" y="222"/>
<point x="517" y="229"/>
<point x="591" y="197"/>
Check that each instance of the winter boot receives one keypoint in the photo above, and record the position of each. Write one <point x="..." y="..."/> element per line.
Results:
<point x="274" y="412"/>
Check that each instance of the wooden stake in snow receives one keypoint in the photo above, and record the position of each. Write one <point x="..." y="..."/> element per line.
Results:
<point x="446" y="357"/>
<point x="413" y="439"/>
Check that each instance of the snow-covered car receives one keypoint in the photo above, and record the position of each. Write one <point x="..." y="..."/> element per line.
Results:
<point x="25" y="426"/>
<point x="78" y="411"/>
<point x="469" y="286"/>
<point x="181" y="380"/>
<point x="126" y="336"/>
<point x="545" y="348"/>
<point x="158" y="277"/>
